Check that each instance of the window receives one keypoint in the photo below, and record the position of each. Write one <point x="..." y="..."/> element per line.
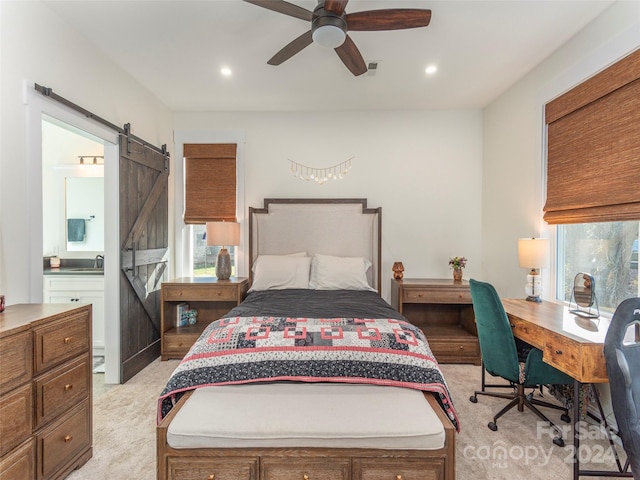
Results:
<point x="606" y="250"/>
<point x="210" y="178"/>
<point x="204" y="256"/>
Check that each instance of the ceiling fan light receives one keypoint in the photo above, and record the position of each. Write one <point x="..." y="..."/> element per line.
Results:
<point x="329" y="36"/>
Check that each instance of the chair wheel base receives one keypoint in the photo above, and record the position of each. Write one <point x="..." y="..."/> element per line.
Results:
<point x="492" y="426"/>
<point x="558" y="441"/>
<point x="473" y="399"/>
<point x="565" y="418"/>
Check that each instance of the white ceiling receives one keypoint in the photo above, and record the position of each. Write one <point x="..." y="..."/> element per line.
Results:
<point x="175" y="48"/>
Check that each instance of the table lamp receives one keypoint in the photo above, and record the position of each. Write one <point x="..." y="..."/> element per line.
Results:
<point x="533" y="253"/>
<point x="223" y="234"/>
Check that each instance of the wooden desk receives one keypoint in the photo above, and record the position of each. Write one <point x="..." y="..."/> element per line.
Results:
<point x="572" y="344"/>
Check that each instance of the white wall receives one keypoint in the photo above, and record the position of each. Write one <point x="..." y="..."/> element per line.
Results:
<point x="423" y="168"/>
<point x="513" y="157"/>
<point x="36" y="46"/>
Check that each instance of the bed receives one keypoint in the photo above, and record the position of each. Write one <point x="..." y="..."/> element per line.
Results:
<point x="314" y="376"/>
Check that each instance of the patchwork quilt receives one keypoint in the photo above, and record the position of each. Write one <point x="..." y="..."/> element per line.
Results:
<point x="247" y="349"/>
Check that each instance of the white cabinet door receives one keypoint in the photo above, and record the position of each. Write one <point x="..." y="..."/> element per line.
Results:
<point x="80" y="289"/>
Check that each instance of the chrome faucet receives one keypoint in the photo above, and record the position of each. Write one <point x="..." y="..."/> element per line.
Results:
<point x="99" y="262"/>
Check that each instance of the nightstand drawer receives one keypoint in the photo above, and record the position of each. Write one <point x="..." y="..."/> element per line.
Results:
<point x="61" y="388"/>
<point x="217" y="293"/>
<point x="422" y="295"/>
<point x="60" y="341"/>
<point x="179" y="343"/>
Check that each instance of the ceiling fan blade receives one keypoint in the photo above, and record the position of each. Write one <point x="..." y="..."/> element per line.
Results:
<point x="351" y="57"/>
<point x="286" y="8"/>
<point x="335" y="6"/>
<point x="291" y="49"/>
<point x="392" y="19"/>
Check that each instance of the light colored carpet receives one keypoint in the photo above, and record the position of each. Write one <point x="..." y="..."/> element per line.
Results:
<point x="124" y="443"/>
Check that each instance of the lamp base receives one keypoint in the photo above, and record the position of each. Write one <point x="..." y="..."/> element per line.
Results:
<point x="223" y="265"/>
<point x="531" y="298"/>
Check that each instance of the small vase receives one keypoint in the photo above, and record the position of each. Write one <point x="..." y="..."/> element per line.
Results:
<point x="457" y="274"/>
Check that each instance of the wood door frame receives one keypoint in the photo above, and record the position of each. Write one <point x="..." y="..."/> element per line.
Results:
<point x="38" y="105"/>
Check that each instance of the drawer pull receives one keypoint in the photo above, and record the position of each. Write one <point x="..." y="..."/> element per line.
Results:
<point x="558" y="352"/>
<point x="68" y="339"/>
<point x="68" y="387"/>
<point x="68" y="438"/>
<point x="398" y="477"/>
<point x="305" y="477"/>
<point x="461" y="347"/>
<point x="211" y="477"/>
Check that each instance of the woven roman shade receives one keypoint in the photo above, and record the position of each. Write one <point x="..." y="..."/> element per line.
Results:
<point x="210" y="183"/>
<point x="593" y="148"/>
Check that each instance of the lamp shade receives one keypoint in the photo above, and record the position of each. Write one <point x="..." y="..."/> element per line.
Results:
<point x="533" y="252"/>
<point x="223" y="233"/>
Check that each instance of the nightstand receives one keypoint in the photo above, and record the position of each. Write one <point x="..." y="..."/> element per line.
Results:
<point x="212" y="298"/>
<point x="443" y="310"/>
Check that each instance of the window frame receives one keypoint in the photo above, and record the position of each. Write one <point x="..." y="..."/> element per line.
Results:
<point x="182" y="245"/>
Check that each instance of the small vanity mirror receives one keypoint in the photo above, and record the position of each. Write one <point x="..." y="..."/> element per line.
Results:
<point x="583" y="296"/>
<point x="84" y="214"/>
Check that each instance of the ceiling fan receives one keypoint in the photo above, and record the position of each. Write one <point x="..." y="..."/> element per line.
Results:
<point x="330" y="24"/>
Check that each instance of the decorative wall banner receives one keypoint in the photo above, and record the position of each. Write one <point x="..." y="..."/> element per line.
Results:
<point x="320" y="175"/>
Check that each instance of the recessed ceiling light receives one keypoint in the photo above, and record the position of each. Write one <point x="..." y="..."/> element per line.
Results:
<point x="431" y="69"/>
<point x="225" y="71"/>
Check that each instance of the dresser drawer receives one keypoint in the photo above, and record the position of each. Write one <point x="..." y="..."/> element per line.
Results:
<point x="190" y="468"/>
<point x="217" y="293"/>
<point x="16" y="359"/>
<point x="305" y="469"/>
<point x="58" y="390"/>
<point x="440" y="295"/>
<point x="16" y="418"/>
<point x="62" y="340"/>
<point x="20" y="463"/>
<point x="405" y="469"/>
<point x="57" y="444"/>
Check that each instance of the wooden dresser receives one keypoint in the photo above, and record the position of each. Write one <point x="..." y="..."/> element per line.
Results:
<point x="443" y="310"/>
<point x="45" y="390"/>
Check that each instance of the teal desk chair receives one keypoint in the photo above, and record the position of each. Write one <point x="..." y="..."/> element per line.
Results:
<point x="513" y="360"/>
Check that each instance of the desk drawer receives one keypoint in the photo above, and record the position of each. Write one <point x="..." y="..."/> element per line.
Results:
<point x="528" y="332"/>
<point x="440" y="295"/>
<point x="562" y="353"/>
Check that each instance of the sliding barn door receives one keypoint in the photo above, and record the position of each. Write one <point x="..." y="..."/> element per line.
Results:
<point x="144" y="236"/>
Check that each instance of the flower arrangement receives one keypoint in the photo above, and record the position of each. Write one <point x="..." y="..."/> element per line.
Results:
<point x="457" y="262"/>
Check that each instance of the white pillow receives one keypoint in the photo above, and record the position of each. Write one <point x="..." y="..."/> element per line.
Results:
<point x="339" y="273"/>
<point x="277" y="272"/>
<point x="297" y="254"/>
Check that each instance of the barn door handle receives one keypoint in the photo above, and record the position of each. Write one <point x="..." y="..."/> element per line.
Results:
<point x="132" y="249"/>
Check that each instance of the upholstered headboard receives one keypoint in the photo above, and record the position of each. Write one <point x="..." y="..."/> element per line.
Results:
<point x="340" y="227"/>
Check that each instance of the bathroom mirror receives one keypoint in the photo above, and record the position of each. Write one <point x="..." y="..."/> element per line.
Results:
<point x="583" y="296"/>
<point x="84" y="214"/>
